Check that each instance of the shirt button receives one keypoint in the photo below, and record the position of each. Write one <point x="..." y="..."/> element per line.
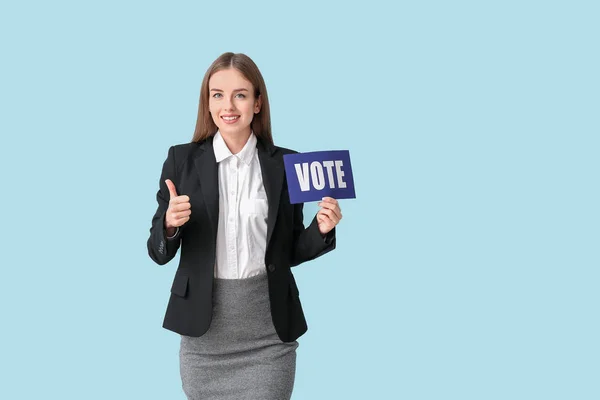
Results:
<point x="271" y="267"/>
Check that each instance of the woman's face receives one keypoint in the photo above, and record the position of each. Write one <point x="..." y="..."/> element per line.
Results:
<point x="231" y="102"/>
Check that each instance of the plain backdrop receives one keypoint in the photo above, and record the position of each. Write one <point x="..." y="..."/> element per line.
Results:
<point x="466" y="268"/>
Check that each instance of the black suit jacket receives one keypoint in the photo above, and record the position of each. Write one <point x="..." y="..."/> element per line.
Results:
<point x="193" y="169"/>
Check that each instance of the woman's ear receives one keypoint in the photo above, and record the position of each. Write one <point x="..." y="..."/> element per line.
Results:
<point x="258" y="104"/>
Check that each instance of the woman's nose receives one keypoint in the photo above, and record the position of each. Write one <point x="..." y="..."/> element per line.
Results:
<point x="229" y="104"/>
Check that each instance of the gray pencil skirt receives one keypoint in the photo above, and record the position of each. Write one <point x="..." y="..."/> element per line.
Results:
<point x="240" y="356"/>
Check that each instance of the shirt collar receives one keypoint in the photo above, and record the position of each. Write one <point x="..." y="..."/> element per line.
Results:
<point x="222" y="151"/>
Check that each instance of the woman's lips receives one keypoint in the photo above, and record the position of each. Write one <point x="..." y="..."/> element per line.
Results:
<point x="230" y="119"/>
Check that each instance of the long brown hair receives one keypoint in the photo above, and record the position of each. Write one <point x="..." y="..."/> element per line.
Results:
<point x="261" y="122"/>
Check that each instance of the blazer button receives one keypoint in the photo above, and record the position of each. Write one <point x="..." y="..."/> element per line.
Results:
<point x="271" y="267"/>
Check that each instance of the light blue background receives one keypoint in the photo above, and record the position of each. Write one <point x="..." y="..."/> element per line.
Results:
<point x="467" y="267"/>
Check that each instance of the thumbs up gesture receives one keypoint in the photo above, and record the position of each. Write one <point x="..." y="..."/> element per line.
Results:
<point x="179" y="210"/>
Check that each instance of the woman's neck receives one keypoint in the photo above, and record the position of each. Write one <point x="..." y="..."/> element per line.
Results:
<point x="237" y="141"/>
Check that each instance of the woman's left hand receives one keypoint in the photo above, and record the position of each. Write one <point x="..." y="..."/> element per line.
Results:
<point x="329" y="215"/>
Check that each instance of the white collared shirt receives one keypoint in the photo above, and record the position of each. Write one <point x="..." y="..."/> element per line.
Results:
<point x="243" y="210"/>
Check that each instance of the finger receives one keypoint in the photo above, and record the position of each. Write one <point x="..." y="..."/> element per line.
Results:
<point x="330" y="200"/>
<point x="326" y="220"/>
<point x="336" y="209"/>
<point x="180" y="203"/>
<point x="182" y="214"/>
<point x="330" y="214"/>
<point x="182" y="221"/>
<point x="178" y="220"/>
<point x="171" y="187"/>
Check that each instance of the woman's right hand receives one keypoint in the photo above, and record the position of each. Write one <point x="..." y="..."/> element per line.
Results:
<point x="179" y="210"/>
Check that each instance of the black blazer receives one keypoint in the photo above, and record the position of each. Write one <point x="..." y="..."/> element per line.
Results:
<point x="193" y="169"/>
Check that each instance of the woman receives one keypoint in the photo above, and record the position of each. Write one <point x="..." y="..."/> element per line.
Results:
<point x="223" y="199"/>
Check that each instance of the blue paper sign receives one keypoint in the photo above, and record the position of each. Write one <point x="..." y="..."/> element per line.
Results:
<point x="312" y="176"/>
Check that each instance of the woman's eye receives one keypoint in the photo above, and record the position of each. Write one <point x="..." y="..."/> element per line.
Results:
<point x="240" y="95"/>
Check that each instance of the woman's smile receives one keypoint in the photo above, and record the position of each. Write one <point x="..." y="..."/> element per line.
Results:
<point x="230" y="119"/>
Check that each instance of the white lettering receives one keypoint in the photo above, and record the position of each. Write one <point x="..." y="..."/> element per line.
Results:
<point x="316" y="173"/>
<point x="329" y="166"/>
<point x="303" y="177"/>
<point x="340" y="173"/>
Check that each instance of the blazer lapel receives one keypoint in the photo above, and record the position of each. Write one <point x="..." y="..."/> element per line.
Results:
<point x="272" y="171"/>
<point x="206" y="166"/>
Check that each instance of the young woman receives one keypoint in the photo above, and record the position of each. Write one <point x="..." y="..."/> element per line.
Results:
<point x="223" y="199"/>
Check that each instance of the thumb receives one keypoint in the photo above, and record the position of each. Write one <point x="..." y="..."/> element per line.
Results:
<point x="172" y="190"/>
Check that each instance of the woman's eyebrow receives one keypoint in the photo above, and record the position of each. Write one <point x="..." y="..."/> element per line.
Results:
<point x="236" y="90"/>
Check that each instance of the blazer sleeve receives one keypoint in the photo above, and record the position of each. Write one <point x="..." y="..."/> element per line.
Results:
<point x="160" y="249"/>
<point x="308" y="242"/>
